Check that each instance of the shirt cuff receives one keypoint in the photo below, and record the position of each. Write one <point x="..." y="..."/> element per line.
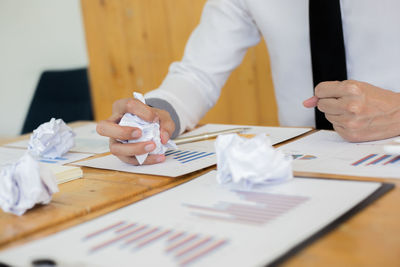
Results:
<point x="164" y="105"/>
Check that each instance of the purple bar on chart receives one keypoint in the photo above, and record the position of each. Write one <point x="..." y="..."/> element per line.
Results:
<point x="364" y="159"/>
<point x="203" y="252"/>
<point x="125" y="227"/>
<point x="380" y="159"/>
<point x="176" y="236"/>
<point x="153" y="238"/>
<point x="105" y="229"/>
<point x="140" y="236"/>
<point x="181" y="242"/>
<point x="116" y="239"/>
<point x="393" y="160"/>
<point x="194" y="246"/>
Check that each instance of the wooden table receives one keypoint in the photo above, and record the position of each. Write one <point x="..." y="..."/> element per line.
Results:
<point x="370" y="238"/>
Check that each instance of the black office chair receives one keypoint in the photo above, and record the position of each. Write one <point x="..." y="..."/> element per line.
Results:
<point x="60" y="94"/>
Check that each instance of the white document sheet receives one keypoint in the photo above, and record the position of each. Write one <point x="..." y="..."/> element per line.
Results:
<point x="186" y="159"/>
<point x="87" y="140"/>
<point x="276" y="134"/>
<point x="326" y="152"/>
<point x="10" y="155"/>
<point x="201" y="223"/>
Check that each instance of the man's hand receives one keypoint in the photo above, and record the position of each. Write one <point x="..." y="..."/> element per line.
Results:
<point x="127" y="152"/>
<point x="358" y="111"/>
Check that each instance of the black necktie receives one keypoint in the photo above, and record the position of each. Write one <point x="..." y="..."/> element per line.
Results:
<point x="327" y="47"/>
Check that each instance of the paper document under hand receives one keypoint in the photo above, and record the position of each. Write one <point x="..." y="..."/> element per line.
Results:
<point x="326" y="152"/>
<point x="186" y="159"/>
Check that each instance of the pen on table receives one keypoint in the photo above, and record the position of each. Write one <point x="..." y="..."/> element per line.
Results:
<point x="204" y="136"/>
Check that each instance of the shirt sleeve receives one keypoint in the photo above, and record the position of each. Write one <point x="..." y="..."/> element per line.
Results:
<point x="162" y="104"/>
<point x="215" y="48"/>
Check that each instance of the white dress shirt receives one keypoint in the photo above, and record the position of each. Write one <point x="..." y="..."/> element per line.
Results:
<point x="371" y="31"/>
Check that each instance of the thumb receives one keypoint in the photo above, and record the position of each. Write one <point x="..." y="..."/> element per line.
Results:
<point x="311" y="102"/>
<point x="167" y="127"/>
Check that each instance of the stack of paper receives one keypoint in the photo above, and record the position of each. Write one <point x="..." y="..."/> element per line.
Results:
<point x="64" y="174"/>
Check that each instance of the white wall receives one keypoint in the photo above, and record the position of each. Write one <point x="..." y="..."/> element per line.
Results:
<point x="35" y="35"/>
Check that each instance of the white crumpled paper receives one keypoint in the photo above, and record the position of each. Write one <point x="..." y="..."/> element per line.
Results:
<point x="51" y="139"/>
<point x="150" y="131"/>
<point x="25" y="184"/>
<point x="250" y="161"/>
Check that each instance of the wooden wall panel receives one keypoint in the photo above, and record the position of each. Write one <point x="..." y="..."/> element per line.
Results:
<point x="132" y="42"/>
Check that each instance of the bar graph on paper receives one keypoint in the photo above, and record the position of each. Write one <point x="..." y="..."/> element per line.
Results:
<point x="182" y="247"/>
<point x="185" y="247"/>
<point x="186" y="156"/>
<point x="186" y="159"/>
<point x="261" y="208"/>
<point x="377" y="160"/>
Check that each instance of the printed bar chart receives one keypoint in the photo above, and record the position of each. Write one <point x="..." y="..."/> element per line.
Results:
<point x="376" y="159"/>
<point x="186" y="159"/>
<point x="267" y="207"/>
<point x="187" y="156"/>
<point x="183" y="247"/>
<point x="303" y="157"/>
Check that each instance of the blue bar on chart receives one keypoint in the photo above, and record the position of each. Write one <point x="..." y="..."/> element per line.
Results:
<point x="183" y="247"/>
<point x="52" y="161"/>
<point x="187" y="156"/>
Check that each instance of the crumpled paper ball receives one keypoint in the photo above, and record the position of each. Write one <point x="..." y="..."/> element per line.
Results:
<point x="25" y="184"/>
<point x="150" y="131"/>
<point x="51" y="139"/>
<point x="250" y="161"/>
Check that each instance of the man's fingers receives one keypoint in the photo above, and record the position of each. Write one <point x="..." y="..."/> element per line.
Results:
<point x="120" y="149"/>
<point x="133" y="106"/>
<point x="141" y="110"/>
<point x="167" y="125"/>
<point x="336" y="89"/>
<point x="113" y="130"/>
<point x="332" y="106"/>
<point x="151" y="159"/>
<point x="335" y="119"/>
<point x="167" y="129"/>
<point x="312" y="102"/>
